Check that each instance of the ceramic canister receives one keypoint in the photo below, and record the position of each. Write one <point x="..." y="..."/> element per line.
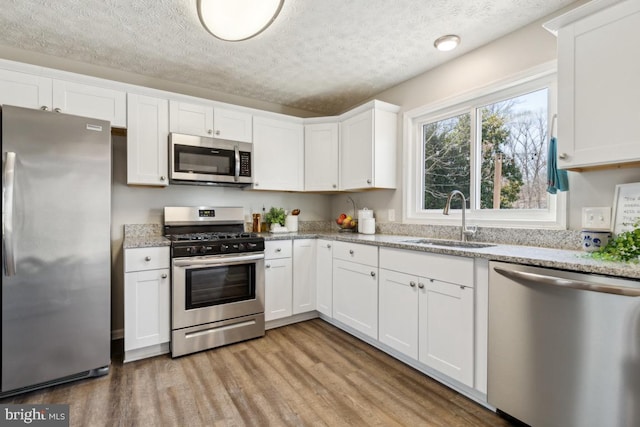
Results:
<point x="364" y="214"/>
<point x="592" y="240"/>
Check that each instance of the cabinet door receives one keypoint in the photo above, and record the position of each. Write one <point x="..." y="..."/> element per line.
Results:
<point x="321" y="157"/>
<point x="324" y="277"/>
<point x="446" y="329"/>
<point x="304" y="275"/>
<point x="399" y="311"/>
<point x="24" y="90"/>
<point x="355" y="296"/>
<point x="278" y="153"/>
<point x="90" y="101"/>
<point x="278" y="289"/>
<point x="356" y="152"/>
<point x="192" y="119"/>
<point x="146" y="308"/>
<point x="598" y="88"/>
<point x="147" y="140"/>
<point x="232" y="125"/>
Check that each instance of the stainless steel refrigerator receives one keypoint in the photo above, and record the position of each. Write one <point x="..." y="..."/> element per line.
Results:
<point x="56" y="210"/>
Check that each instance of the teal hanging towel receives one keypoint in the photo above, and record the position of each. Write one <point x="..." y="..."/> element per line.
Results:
<point x="557" y="179"/>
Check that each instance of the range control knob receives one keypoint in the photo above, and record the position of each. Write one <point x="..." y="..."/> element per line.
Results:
<point x="241" y="246"/>
<point x="192" y="250"/>
<point x="224" y="248"/>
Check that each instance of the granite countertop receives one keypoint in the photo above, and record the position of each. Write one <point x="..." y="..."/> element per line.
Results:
<point x="140" y="236"/>
<point x="543" y="257"/>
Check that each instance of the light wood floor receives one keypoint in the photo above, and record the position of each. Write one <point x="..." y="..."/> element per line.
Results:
<point x="307" y="374"/>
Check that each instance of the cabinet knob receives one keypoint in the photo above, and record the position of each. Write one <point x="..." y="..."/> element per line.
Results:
<point x="57" y="110"/>
<point x="421" y="285"/>
<point x="44" y="108"/>
<point x="218" y="132"/>
<point x="210" y="131"/>
<point x="255" y="184"/>
<point x="432" y="280"/>
<point x="278" y="249"/>
<point x="373" y="274"/>
<point x="147" y="258"/>
<point x="267" y="266"/>
<point x="368" y="181"/>
<point x="462" y="287"/>
<point x="350" y="251"/>
<point x="335" y="186"/>
<point x="164" y="275"/>
<point x="328" y="246"/>
<point x="412" y="284"/>
<point x="563" y="156"/>
<point x="162" y="178"/>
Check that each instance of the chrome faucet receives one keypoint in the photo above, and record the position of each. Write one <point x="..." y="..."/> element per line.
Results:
<point x="464" y="232"/>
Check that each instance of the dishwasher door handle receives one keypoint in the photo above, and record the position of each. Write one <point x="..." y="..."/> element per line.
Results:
<point x="567" y="283"/>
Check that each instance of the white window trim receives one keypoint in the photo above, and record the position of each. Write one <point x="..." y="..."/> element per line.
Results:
<point x="554" y="217"/>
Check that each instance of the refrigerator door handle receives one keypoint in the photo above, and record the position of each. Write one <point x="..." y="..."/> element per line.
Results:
<point x="9" y="260"/>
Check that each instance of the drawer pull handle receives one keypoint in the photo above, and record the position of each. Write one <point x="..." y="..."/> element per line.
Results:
<point x="350" y="251"/>
<point x="412" y="284"/>
<point x="328" y="246"/>
<point x="268" y="266"/>
<point x="147" y="258"/>
<point x="421" y="285"/>
<point x="278" y="249"/>
<point x="164" y="276"/>
<point x="373" y="274"/>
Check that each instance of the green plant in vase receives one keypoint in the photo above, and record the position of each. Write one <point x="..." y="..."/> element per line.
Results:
<point x="625" y="247"/>
<point x="275" y="216"/>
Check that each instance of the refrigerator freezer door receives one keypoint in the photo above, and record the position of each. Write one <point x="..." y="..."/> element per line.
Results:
<point x="56" y="308"/>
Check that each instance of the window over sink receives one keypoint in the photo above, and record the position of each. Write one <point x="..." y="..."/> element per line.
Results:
<point x="492" y="146"/>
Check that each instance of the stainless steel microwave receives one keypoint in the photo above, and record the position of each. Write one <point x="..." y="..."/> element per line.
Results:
<point x="199" y="160"/>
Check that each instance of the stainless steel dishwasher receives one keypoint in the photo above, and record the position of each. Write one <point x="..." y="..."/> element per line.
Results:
<point x="564" y="347"/>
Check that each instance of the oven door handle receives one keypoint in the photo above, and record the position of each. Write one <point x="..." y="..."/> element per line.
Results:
<point x="216" y="260"/>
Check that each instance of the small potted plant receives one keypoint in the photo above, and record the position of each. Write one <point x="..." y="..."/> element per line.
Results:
<point x="275" y="216"/>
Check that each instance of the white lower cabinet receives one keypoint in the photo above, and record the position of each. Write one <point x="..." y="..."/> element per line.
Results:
<point x="429" y="315"/>
<point x="146" y="302"/>
<point x="278" y="280"/>
<point x="445" y="340"/>
<point x="324" y="277"/>
<point x="355" y="287"/>
<point x="304" y="275"/>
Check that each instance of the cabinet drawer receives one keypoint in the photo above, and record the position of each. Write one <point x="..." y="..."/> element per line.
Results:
<point x="447" y="268"/>
<point x="146" y="258"/>
<point x="277" y="249"/>
<point x="362" y="254"/>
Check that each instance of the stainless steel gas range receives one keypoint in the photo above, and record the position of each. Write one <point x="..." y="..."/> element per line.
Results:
<point x="217" y="278"/>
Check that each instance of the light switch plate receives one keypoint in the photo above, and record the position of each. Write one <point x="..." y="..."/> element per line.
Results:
<point x="598" y="218"/>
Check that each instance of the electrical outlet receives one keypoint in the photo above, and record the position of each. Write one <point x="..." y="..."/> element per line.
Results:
<point x="596" y="218"/>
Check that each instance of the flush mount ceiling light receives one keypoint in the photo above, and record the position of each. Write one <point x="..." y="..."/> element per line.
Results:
<point x="236" y="20"/>
<point x="448" y="42"/>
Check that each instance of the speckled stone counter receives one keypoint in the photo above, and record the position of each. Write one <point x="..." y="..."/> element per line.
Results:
<point x="143" y="236"/>
<point x="544" y="257"/>
<point x="148" y="235"/>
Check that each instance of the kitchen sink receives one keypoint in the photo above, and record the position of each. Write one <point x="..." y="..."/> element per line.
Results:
<point x="449" y="243"/>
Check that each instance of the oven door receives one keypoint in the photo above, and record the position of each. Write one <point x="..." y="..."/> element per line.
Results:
<point x="214" y="288"/>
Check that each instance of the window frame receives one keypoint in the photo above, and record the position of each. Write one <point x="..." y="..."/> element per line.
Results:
<point x="554" y="217"/>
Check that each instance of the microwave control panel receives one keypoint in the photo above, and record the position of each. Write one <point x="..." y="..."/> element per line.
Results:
<point x="245" y="163"/>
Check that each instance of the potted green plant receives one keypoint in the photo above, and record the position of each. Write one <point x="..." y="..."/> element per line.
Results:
<point x="275" y="216"/>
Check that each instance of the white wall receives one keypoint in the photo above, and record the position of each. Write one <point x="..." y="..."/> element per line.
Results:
<point x="514" y="53"/>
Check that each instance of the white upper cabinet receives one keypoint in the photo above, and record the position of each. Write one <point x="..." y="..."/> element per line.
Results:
<point x="321" y="156"/>
<point x="368" y="147"/>
<point x="598" y="85"/>
<point x="278" y="154"/>
<point x="147" y="140"/>
<point x="25" y="90"/>
<point x="90" y="101"/>
<point x="34" y="91"/>
<point x="206" y="120"/>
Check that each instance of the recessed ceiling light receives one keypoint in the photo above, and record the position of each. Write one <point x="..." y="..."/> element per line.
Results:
<point x="448" y="42"/>
<point x="236" y="20"/>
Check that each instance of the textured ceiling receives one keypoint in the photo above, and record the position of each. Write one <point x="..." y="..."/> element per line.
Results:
<point x="322" y="56"/>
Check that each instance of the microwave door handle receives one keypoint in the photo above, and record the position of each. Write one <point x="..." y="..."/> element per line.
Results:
<point x="8" y="256"/>
<point x="236" y="176"/>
